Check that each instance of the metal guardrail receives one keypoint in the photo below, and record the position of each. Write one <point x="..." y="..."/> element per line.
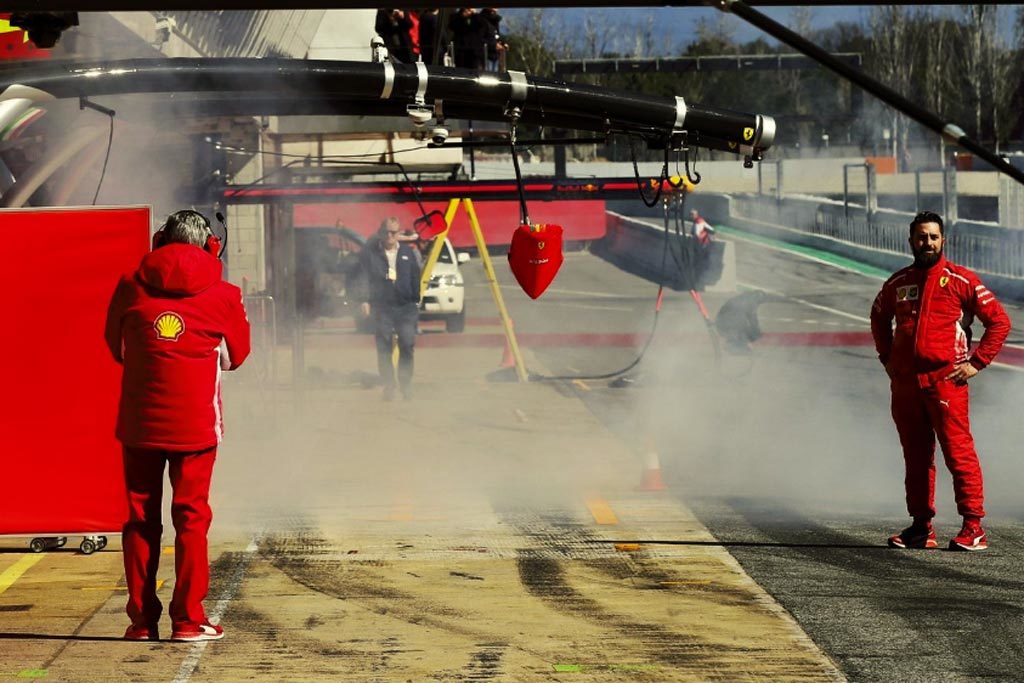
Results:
<point x="989" y="250"/>
<point x="884" y="235"/>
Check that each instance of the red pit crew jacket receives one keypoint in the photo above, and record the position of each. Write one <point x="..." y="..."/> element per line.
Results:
<point x="175" y="325"/>
<point x="928" y="305"/>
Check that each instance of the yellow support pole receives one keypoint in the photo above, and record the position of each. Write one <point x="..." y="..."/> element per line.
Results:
<point x="435" y="250"/>
<point x="428" y="265"/>
<point x="492" y="280"/>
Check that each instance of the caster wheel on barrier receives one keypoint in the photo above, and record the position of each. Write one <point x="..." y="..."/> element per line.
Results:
<point x="88" y="546"/>
<point x="102" y="543"/>
<point x="62" y="541"/>
<point x="37" y="545"/>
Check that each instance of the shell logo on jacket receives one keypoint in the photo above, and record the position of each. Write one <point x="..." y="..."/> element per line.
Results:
<point x="174" y="324"/>
<point x="169" y="326"/>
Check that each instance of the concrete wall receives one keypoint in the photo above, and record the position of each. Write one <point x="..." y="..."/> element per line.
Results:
<point x="344" y="35"/>
<point x="246" y="250"/>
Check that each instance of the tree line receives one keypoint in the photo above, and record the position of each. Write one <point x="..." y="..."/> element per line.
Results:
<point x="954" y="61"/>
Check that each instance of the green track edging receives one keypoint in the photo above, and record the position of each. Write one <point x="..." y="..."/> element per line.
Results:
<point x="828" y="257"/>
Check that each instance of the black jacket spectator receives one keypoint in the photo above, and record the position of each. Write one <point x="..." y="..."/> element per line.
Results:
<point x="468" y="35"/>
<point x="428" y="35"/>
<point x="393" y="26"/>
<point x="491" y="22"/>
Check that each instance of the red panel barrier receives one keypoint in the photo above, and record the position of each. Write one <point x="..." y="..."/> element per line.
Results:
<point x="61" y="465"/>
<point x="582" y="220"/>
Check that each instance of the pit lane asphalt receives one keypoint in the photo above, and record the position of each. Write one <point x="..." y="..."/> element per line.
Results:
<point x="766" y="454"/>
<point x="813" y="535"/>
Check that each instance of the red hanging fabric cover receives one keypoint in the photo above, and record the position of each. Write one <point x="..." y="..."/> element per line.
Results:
<point x="535" y="255"/>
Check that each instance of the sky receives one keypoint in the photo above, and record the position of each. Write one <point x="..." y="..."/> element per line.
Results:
<point x="682" y="21"/>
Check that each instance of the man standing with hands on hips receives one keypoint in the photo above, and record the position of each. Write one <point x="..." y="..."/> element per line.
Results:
<point x="174" y="325"/>
<point x="929" y="362"/>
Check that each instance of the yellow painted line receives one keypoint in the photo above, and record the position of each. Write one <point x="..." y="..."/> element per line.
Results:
<point x="601" y="511"/>
<point x="168" y="550"/>
<point x="581" y="384"/>
<point x="627" y="547"/>
<point x="159" y="585"/>
<point x="14" y="572"/>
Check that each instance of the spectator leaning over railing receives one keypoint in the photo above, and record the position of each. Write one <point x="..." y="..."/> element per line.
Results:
<point x="469" y="36"/>
<point x="393" y="26"/>
<point x="428" y="34"/>
<point x="494" y="46"/>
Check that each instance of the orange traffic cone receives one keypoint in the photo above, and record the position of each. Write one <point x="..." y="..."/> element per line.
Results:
<point x="507" y="359"/>
<point x="652" y="480"/>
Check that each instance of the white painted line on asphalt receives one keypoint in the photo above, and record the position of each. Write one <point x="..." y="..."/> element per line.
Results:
<point x="599" y="295"/>
<point x="820" y="307"/>
<point x="838" y="267"/>
<point x="836" y="311"/>
<point x="572" y="292"/>
<point x="188" y="666"/>
<point x="589" y="307"/>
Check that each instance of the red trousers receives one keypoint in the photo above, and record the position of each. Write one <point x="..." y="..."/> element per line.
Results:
<point x="190" y="512"/>
<point x="921" y="414"/>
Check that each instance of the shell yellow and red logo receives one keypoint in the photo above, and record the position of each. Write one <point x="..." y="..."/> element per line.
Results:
<point x="169" y="326"/>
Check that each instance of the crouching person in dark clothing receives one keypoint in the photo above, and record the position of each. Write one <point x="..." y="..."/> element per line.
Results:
<point x="737" y="321"/>
<point x="392" y="274"/>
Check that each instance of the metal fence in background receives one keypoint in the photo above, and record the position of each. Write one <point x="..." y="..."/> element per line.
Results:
<point x="984" y="247"/>
<point x="883" y="235"/>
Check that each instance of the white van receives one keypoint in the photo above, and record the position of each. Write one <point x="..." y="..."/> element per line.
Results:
<point x="445" y="295"/>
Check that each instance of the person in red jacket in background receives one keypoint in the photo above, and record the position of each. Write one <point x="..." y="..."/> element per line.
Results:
<point x="174" y="325"/>
<point x="929" y="361"/>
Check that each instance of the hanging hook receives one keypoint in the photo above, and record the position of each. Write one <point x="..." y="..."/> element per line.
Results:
<point x="639" y="186"/>
<point x="692" y="176"/>
<point x="513" y="116"/>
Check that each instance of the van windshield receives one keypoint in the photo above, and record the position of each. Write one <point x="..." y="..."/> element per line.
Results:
<point x="444" y="257"/>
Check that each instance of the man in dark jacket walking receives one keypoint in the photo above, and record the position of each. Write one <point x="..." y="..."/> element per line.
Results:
<point x="174" y="325"/>
<point x="392" y="274"/>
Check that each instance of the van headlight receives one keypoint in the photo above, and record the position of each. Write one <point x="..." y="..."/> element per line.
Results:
<point x="444" y="280"/>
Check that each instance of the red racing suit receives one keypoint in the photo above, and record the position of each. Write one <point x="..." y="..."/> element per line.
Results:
<point x="175" y="325"/>
<point x="933" y="308"/>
